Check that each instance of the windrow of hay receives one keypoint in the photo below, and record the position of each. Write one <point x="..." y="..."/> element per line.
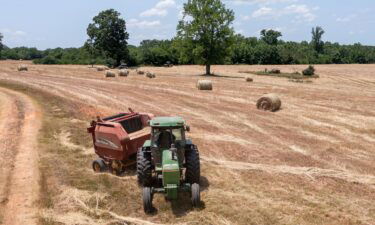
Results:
<point x="269" y="102"/>
<point x="150" y="75"/>
<point x="110" y="74"/>
<point x="75" y="206"/>
<point x="123" y="73"/>
<point x="204" y="85"/>
<point x="22" y="68"/>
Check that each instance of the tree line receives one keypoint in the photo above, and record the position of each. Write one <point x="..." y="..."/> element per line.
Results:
<point x="205" y="38"/>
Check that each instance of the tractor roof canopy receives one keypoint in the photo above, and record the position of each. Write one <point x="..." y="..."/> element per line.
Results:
<point x="167" y="122"/>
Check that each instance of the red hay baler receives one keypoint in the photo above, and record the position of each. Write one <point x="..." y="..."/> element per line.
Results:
<point x="117" y="139"/>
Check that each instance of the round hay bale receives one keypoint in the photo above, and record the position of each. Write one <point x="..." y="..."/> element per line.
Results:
<point x="22" y="68"/>
<point x="248" y="79"/>
<point x="269" y="102"/>
<point x="204" y="85"/>
<point x="140" y="72"/>
<point x="101" y="68"/>
<point x="150" y="75"/>
<point x="123" y="73"/>
<point x="110" y="74"/>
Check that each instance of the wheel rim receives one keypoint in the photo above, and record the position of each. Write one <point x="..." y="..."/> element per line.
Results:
<point x="96" y="167"/>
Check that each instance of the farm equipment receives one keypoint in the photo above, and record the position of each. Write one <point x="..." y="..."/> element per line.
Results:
<point x="117" y="138"/>
<point x="168" y="162"/>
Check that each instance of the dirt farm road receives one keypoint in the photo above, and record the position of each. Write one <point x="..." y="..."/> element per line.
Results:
<point x="19" y="188"/>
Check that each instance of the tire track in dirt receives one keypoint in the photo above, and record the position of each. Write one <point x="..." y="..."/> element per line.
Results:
<point x="21" y="189"/>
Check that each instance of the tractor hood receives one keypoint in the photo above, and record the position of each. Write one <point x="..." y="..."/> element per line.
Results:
<point x="167" y="122"/>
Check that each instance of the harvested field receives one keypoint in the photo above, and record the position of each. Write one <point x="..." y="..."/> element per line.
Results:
<point x="312" y="162"/>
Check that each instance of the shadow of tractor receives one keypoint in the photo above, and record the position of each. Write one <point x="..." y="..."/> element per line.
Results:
<point x="182" y="205"/>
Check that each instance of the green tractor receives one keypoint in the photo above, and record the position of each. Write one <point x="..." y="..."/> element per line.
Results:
<point x="168" y="162"/>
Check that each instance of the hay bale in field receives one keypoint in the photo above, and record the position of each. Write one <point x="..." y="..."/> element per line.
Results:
<point x="150" y="75"/>
<point x="309" y="71"/>
<point x="110" y="74"/>
<point x="269" y="102"/>
<point x="101" y="68"/>
<point x="123" y="73"/>
<point x="248" y="79"/>
<point x="22" y="68"/>
<point x="204" y="85"/>
<point x="140" y="72"/>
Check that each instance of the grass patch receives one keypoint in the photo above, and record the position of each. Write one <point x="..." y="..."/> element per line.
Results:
<point x="272" y="73"/>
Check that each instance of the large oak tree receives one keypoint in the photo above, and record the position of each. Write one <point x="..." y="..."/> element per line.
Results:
<point x="108" y="35"/>
<point x="205" y="32"/>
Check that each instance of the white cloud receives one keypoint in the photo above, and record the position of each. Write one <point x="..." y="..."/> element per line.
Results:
<point x="143" y="24"/>
<point x="264" y="12"/>
<point x="154" y="12"/>
<point x="263" y="2"/>
<point x="346" y="19"/>
<point x="163" y="4"/>
<point x="160" y="9"/>
<point x="13" y="33"/>
<point x="301" y="12"/>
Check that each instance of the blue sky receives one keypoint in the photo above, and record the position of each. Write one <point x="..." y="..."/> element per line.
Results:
<point x="51" y="23"/>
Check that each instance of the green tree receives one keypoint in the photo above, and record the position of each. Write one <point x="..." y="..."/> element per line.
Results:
<point x="316" y="41"/>
<point x="108" y="35"/>
<point x="271" y="37"/>
<point x="205" y="32"/>
<point x="1" y="43"/>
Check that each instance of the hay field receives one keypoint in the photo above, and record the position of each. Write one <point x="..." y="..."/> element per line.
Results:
<point x="312" y="162"/>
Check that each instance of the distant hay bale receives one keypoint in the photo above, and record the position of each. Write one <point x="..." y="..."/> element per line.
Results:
<point x="269" y="102"/>
<point x="22" y="68"/>
<point x="123" y="73"/>
<point x="150" y="75"/>
<point x="309" y="71"/>
<point x="248" y="79"/>
<point x="101" y="68"/>
<point x="140" y="72"/>
<point x="204" y="85"/>
<point x="110" y="74"/>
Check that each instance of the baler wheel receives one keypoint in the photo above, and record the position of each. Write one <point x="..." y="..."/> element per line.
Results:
<point x="195" y="195"/>
<point x="144" y="169"/>
<point x="147" y="200"/>
<point x="99" y="165"/>
<point x="193" y="171"/>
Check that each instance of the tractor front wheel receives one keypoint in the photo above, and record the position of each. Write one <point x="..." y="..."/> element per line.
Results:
<point x="147" y="200"/>
<point x="193" y="171"/>
<point x="144" y="168"/>
<point x="99" y="166"/>
<point x="195" y="195"/>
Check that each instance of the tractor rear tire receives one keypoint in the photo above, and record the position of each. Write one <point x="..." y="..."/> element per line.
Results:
<point x="99" y="166"/>
<point x="195" y="195"/>
<point x="193" y="171"/>
<point x="144" y="169"/>
<point x="147" y="197"/>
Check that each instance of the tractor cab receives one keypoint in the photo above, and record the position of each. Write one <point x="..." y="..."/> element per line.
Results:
<point x="168" y="133"/>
